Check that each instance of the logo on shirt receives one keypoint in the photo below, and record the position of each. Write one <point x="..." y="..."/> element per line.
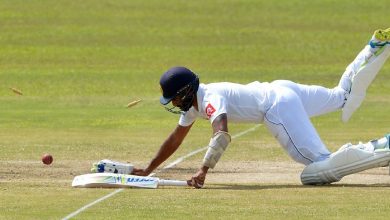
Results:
<point x="209" y="110"/>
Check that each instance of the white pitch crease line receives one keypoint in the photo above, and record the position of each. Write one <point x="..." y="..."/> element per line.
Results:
<point x="73" y="214"/>
<point x="179" y="160"/>
<point x="174" y="163"/>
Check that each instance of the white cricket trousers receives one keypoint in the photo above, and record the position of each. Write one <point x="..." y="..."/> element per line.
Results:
<point x="293" y="104"/>
<point x="288" y="118"/>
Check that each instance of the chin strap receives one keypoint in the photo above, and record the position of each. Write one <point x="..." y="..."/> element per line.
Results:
<point x="183" y="109"/>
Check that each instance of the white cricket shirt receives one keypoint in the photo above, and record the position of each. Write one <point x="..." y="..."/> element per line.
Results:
<point x="241" y="103"/>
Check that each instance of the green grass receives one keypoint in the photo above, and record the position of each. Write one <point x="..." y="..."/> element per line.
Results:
<point x="78" y="64"/>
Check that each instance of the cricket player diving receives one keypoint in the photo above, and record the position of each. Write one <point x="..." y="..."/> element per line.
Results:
<point x="285" y="108"/>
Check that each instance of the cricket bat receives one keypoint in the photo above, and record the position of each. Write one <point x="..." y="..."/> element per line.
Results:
<point x="115" y="180"/>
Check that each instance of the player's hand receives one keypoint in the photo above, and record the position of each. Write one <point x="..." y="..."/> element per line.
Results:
<point x="140" y="172"/>
<point x="198" y="179"/>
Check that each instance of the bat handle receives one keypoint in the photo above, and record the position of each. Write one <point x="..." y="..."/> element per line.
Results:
<point x="162" y="182"/>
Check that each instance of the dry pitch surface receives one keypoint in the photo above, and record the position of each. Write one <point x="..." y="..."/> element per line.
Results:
<point x="227" y="173"/>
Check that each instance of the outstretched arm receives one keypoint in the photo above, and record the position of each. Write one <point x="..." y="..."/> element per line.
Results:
<point x="219" y="125"/>
<point x="170" y="145"/>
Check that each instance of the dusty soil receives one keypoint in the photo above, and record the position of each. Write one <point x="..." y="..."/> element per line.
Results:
<point x="271" y="172"/>
<point x="226" y="173"/>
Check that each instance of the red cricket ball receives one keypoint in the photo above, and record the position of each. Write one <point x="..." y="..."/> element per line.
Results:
<point x="47" y="159"/>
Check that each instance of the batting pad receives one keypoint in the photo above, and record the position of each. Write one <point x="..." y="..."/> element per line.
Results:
<point x="113" y="180"/>
<point x="361" y="80"/>
<point x="348" y="160"/>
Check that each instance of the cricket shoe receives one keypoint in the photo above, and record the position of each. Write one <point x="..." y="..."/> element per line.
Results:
<point x="109" y="166"/>
<point x="380" y="38"/>
<point x="361" y="79"/>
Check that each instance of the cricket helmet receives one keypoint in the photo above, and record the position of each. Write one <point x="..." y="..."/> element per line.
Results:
<point x="179" y="82"/>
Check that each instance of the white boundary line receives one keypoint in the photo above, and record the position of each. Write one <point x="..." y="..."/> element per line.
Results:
<point x="174" y="163"/>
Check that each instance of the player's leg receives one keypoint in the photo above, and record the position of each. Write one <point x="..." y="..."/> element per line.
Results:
<point x="353" y="84"/>
<point x="374" y="48"/>
<point x="347" y="160"/>
<point x="289" y="123"/>
<point x="316" y="100"/>
<point x="362" y="71"/>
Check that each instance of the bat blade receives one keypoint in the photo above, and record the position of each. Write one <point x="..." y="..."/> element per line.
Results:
<point x="114" y="180"/>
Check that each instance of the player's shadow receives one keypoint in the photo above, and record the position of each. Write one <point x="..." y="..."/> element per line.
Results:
<point x="290" y="186"/>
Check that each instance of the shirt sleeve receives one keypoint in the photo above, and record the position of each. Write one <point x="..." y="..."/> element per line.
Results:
<point x="215" y="106"/>
<point x="188" y="118"/>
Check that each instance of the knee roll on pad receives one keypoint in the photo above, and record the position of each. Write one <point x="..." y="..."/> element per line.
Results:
<point x="347" y="160"/>
<point x="218" y="144"/>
